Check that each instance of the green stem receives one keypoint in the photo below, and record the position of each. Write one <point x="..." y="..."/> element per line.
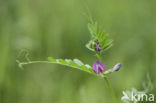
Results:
<point x="107" y="82"/>
<point x="98" y="56"/>
<point x="111" y="90"/>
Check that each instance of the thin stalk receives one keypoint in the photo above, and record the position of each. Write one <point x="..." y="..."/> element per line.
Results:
<point x="107" y="82"/>
<point x="111" y="90"/>
<point x="98" y="56"/>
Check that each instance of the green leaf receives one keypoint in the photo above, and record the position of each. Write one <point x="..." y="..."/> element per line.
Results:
<point x="67" y="60"/>
<point x="108" y="47"/>
<point x="76" y="63"/>
<point x="103" y="39"/>
<point x="88" y="66"/>
<point x="84" y="68"/>
<point x="107" y="44"/>
<point x="62" y="61"/>
<point x="51" y="59"/>
<point x="101" y="34"/>
<point x="90" y="45"/>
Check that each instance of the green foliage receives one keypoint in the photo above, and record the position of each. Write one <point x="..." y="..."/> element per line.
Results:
<point x="98" y="35"/>
<point x="75" y="63"/>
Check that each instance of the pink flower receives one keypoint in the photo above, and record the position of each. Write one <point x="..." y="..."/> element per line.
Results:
<point x="98" y="67"/>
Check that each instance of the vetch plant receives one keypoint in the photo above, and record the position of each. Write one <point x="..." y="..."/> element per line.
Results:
<point x="98" y="43"/>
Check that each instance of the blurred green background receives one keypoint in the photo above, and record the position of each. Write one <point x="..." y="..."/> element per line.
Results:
<point x="58" y="28"/>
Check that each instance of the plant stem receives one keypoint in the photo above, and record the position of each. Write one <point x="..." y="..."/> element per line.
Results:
<point x="110" y="89"/>
<point x="107" y="82"/>
<point x="98" y="56"/>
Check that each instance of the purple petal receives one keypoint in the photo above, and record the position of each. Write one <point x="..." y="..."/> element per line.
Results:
<point x="98" y="48"/>
<point x="98" y="67"/>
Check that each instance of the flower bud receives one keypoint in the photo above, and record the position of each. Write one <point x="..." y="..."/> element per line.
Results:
<point x="98" y="48"/>
<point x="116" y="67"/>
